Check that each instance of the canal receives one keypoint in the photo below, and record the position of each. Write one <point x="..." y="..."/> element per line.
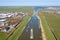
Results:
<point x="32" y="30"/>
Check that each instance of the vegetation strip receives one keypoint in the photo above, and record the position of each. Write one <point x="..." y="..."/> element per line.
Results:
<point x="18" y="31"/>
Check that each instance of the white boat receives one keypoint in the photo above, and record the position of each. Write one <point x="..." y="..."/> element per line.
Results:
<point x="31" y="34"/>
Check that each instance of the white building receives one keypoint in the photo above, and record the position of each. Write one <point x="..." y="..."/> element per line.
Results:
<point x="4" y="16"/>
<point x="2" y="20"/>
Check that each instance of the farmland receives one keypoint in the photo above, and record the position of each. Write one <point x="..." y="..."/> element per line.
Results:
<point x="53" y="22"/>
<point x="3" y="35"/>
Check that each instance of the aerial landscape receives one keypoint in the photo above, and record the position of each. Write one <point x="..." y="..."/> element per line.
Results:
<point x="29" y="20"/>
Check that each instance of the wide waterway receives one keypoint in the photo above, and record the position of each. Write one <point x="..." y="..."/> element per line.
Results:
<point x="32" y="30"/>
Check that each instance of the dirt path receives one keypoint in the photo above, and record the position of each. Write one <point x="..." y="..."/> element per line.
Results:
<point x="42" y="30"/>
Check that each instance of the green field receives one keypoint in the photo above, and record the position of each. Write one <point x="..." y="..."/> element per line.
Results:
<point x="3" y="35"/>
<point x="53" y="21"/>
<point x="48" y="33"/>
<point x="18" y="31"/>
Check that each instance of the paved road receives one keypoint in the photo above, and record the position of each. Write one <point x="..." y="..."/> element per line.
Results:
<point x="32" y="30"/>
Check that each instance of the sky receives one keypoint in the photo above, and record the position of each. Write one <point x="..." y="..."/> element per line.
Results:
<point x="29" y="2"/>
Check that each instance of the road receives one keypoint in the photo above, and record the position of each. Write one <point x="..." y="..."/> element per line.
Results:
<point x="32" y="30"/>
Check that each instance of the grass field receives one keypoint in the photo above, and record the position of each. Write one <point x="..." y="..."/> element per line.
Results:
<point x="18" y="31"/>
<point x="48" y="33"/>
<point x="3" y="35"/>
<point x="53" y="21"/>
